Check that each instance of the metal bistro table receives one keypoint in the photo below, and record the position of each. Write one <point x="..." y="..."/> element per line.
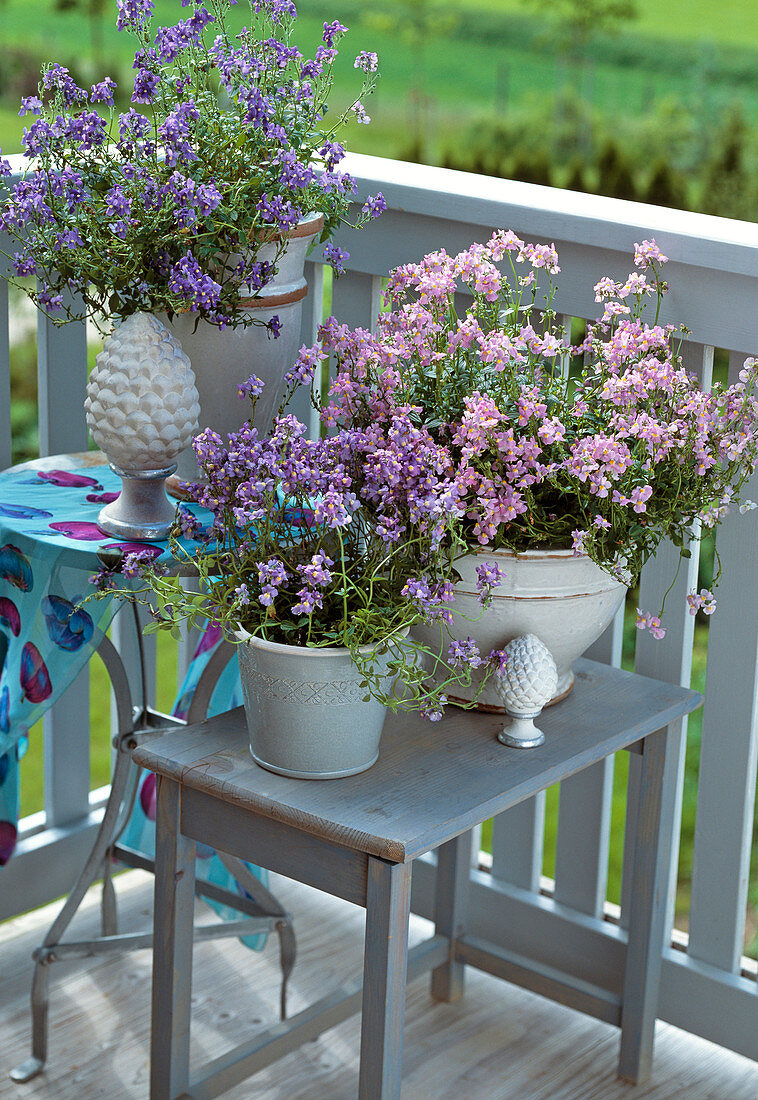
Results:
<point x="357" y="838"/>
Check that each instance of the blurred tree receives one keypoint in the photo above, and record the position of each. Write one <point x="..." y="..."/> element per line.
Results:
<point x="418" y="24"/>
<point x="615" y="176"/>
<point x="93" y="9"/>
<point x="666" y="187"/>
<point x="728" y="186"/>
<point x="576" y="22"/>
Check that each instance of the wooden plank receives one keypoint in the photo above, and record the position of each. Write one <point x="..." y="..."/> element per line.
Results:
<point x="61" y="381"/>
<point x="706" y="1001"/>
<point x="713" y="261"/>
<point x="729" y="752"/>
<point x="384" y="975"/>
<point x="649" y="928"/>
<point x="517" y="843"/>
<point x="669" y="658"/>
<point x="499" y="1042"/>
<point x="544" y="980"/>
<point x="451" y="901"/>
<point x="398" y="809"/>
<point x="313" y="314"/>
<point x="279" y="847"/>
<point x="172" y="948"/>
<point x="5" y="364"/>
<point x="581" y="857"/>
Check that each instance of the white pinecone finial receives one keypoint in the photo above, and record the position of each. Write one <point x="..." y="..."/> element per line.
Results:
<point x="527" y="682"/>
<point x="142" y="403"/>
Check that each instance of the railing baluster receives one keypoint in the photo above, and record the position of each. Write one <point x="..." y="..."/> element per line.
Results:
<point x="517" y="843"/>
<point x="6" y="442"/>
<point x="62" y="378"/>
<point x="313" y="314"/>
<point x="669" y="658"/>
<point x="729" y="752"/>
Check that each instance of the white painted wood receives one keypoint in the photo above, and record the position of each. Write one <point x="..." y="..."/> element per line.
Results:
<point x="714" y="261"/>
<point x="61" y="379"/>
<point x="313" y="315"/>
<point x="668" y="658"/>
<point x="5" y="367"/>
<point x="729" y="752"/>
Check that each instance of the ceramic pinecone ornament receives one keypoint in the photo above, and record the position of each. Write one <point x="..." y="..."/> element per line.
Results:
<point x="527" y="682"/>
<point x="142" y="403"/>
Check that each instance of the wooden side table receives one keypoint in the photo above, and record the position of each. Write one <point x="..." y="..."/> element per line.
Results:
<point x="357" y="838"/>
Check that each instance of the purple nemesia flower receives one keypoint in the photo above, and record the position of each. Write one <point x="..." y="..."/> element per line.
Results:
<point x="30" y="104"/>
<point x="366" y="61"/>
<point x="462" y="653"/>
<point x="360" y="113"/>
<point x="188" y="523"/>
<point x="251" y="387"/>
<point x="133" y="564"/>
<point x="374" y="205"/>
<point x="332" y="31"/>
<point x="145" y="86"/>
<point x="308" y="359"/>
<point x="337" y="257"/>
<point x="103" y="92"/>
<point x="242" y="593"/>
<point x="133" y="13"/>
<point x="308" y="602"/>
<point x="498" y="658"/>
<point x="103" y="579"/>
<point x="434" y="712"/>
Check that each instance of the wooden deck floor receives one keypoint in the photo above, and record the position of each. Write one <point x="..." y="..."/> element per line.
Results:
<point x="499" y="1043"/>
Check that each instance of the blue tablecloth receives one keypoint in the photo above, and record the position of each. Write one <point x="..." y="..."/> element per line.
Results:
<point x="49" y="543"/>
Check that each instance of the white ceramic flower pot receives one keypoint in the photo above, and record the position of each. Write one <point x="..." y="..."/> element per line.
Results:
<point x="305" y="710"/>
<point x="566" y="601"/>
<point x="222" y="358"/>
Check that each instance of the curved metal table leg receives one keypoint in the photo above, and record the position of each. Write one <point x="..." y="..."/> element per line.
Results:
<point x="45" y="954"/>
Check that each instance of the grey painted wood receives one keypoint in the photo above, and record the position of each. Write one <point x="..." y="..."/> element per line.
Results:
<point x="649" y="930"/>
<point x="273" y="1043"/>
<point x="61" y="380"/>
<point x="581" y="856"/>
<point x="711" y="1003"/>
<point x="5" y="365"/>
<point x="45" y="863"/>
<point x="356" y="299"/>
<point x="668" y="659"/>
<point x="467" y="771"/>
<point x="289" y="851"/>
<point x="584" y="812"/>
<point x="384" y="975"/>
<point x="172" y="949"/>
<point x="517" y="843"/>
<point x="451" y="901"/>
<point x="545" y="980"/>
<point x="729" y="752"/>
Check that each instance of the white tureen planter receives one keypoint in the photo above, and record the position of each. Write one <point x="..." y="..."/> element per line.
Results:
<point x="565" y="600"/>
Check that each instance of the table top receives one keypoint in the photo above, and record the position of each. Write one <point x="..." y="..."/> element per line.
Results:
<point x="431" y="781"/>
<point x="50" y="506"/>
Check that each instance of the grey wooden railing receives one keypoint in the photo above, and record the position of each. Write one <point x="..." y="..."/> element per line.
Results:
<point x="564" y="924"/>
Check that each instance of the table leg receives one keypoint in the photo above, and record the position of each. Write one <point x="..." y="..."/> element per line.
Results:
<point x="647" y="917"/>
<point x="172" y="949"/>
<point x="450" y="905"/>
<point x="388" y="898"/>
